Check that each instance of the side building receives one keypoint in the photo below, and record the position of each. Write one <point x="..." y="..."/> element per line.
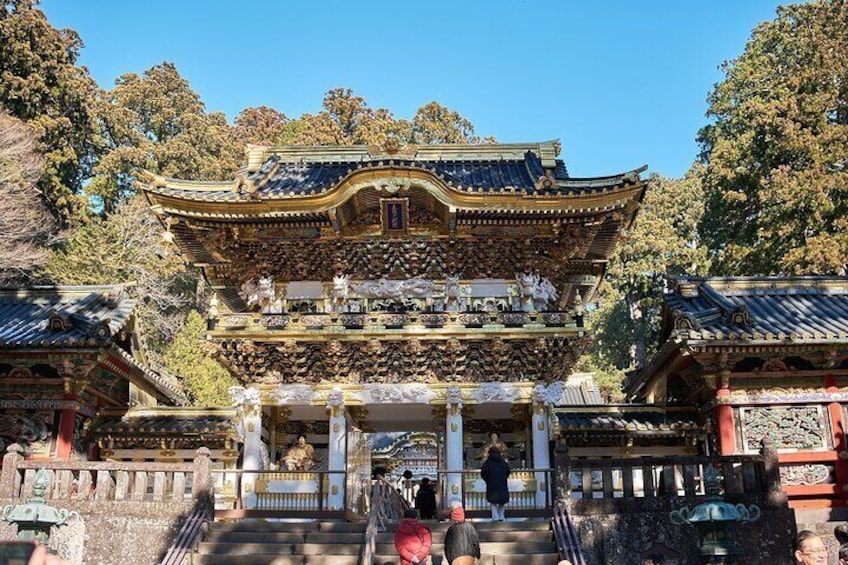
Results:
<point x="765" y="359"/>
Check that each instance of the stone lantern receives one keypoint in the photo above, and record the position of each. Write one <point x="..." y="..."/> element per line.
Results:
<point x="35" y="518"/>
<point x="715" y="521"/>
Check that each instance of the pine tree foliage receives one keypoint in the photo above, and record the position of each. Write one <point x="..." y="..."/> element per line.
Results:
<point x="663" y="242"/>
<point x="777" y="151"/>
<point x="156" y="122"/>
<point x="204" y="380"/>
<point x="41" y="84"/>
<point x="346" y="119"/>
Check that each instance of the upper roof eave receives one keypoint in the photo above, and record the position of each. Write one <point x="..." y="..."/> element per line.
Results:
<point x="609" y="197"/>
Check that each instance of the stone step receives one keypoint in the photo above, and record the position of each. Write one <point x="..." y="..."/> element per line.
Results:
<point x="236" y="548"/>
<point x="532" y="536"/>
<point x="290" y="527"/>
<point x="485" y="559"/>
<point x="491" y="547"/>
<point x="518" y="525"/>
<point x="260" y="537"/>
<point x="284" y="537"/>
<point x="264" y="559"/>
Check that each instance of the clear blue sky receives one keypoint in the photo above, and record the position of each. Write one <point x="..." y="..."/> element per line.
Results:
<point x="621" y="83"/>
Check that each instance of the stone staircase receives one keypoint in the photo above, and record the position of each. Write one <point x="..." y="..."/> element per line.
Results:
<point x="528" y="542"/>
<point x="258" y="542"/>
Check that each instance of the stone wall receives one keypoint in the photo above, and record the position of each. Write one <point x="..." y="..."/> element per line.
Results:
<point x="118" y="532"/>
<point x="621" y="534"/>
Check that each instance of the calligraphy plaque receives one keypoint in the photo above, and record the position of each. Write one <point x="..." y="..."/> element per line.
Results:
<point x="395" y="216"/>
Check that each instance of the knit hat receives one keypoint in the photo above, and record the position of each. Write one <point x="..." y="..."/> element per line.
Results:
<point x="457" y="514"/>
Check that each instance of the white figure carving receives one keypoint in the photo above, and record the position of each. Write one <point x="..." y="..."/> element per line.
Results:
<point x="340" y="293"/>
<point x="401" y="393"/>
<point x="535" y="291"/>
<point x="236" y="395"/>
<point x="335" y="398"/>
<point x="453" y="395"/>
<point x="496" y="392"/>
<point x="384" y="288"/>
<point x="453" y="294"/>
<point x="544" y="293"/>
<point x="386" y="394"/>
<point x="252" y="396"/>
<point x="262" y="294"/>
<point x="550" y="395"/>
<point x="295" y="394"/>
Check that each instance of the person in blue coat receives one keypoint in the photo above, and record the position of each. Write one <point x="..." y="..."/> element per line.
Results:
<point x="495" y="471"/>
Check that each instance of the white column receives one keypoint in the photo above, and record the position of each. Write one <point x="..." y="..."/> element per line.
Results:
<point x="541" y="451"/>
<point x="453" y="445"/>
<point x="250" y="403"/>
<point x="337" y="458"/>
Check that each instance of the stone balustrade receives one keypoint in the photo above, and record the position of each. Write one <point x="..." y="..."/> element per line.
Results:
<point x="105" y="481"/>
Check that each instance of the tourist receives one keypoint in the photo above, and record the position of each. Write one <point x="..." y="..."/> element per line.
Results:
<point x="412" y="539"/>
<point x="495" y="471"/>
<point x="843" y="555"/>
<point x="462" y="544"/>
<point x="810" y="549"/>
<point x="425" y="500"/>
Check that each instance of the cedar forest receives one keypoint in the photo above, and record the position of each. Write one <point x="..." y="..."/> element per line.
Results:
<point x="768" y="194"/>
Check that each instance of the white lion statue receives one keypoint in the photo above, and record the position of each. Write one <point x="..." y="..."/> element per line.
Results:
<point x="340" y="292"/>
<point x="453" y="294"/>
<point x="262" y="294"/>
<point x="536" y="292"/>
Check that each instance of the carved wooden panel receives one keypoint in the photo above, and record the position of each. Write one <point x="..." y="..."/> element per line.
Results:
<point x="397" y="361"/>
<point x="789" y="428"/>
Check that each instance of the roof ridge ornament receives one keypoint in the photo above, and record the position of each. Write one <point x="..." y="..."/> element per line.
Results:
<point x="393" y="147"/>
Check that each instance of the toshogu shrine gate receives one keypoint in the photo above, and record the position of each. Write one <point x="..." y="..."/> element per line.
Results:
<point x="396" y="289"/>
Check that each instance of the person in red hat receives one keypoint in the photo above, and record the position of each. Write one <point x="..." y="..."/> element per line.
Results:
<point x="462" y="544"/>
<point x="412" y="539"/>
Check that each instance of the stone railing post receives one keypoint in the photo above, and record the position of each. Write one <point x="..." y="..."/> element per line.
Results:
<point x="201" y="488"/>
<point x="774" y="495"/>
<point x="9" y="476"/>
<point x="562" y="473"/>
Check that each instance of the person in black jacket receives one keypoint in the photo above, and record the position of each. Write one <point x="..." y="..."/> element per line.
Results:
<point x="425" y="500"/>
<point x="461" y="539"/>
<point x="495" y="471"/>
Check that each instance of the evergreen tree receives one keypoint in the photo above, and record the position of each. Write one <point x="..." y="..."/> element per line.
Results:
<point x="777" y="151"/>
<point x="663" y="242"/>
<point x="204" y="380"/>
<point x="156" y="122"/>
<point x="41" y="84"/>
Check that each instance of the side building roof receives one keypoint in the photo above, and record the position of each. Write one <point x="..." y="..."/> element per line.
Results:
<point x="63" y="318"/>
<point x="767" y="311"/>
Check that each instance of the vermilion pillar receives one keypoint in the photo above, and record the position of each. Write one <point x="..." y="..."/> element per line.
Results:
<point x="837" y="426"/>
<point x="65" y="441"/>
<point x="725" y="421"/>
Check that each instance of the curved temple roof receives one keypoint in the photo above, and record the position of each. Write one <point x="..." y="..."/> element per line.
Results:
<point x="305" y="172"/>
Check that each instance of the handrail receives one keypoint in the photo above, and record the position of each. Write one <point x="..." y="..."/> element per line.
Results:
<point x="521" y="500"/>
<point x="371" y="529"/>
<point x="567" y="537"/>
<point x="319" y="477"/>
<point x="188" y="536"/>
<point x="386" y="504"/>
